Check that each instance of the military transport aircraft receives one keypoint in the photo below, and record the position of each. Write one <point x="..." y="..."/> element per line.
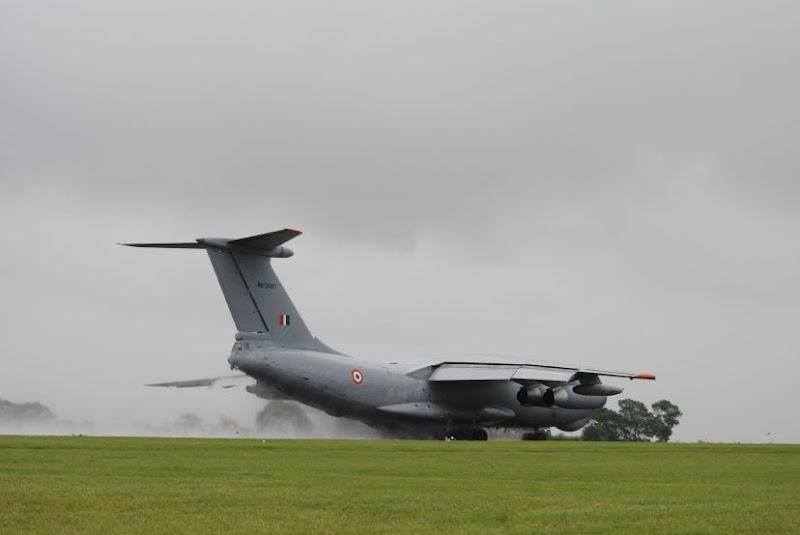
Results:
<point x="439" y="397"/>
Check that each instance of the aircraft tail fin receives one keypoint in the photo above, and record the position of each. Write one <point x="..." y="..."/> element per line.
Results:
<point x="255" y="296"/>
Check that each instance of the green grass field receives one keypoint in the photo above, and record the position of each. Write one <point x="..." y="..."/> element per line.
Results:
<point x="134" y="485"/>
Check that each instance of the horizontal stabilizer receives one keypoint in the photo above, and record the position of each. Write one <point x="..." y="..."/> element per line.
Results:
<point x="268" y="244"/>
<point x="221" y="382"/>
<point x="261" y="390"/>
<point x="267" y="241"/>
<point x="181" y="245"/>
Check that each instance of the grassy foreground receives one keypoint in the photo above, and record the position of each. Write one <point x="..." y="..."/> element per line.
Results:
<point x="135" y="485"/>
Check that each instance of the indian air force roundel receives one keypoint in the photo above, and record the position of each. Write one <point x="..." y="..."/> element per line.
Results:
<point x="357" y="376"/>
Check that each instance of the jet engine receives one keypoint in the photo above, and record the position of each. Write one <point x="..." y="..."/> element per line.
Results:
<point x="564" y="397"/>
<point x="537" y="395"/>
<point x="532" y="396"/>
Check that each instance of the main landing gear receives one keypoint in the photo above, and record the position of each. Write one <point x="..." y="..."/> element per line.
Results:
<point x="470" y="433"/>
<point x="539" y="434"/>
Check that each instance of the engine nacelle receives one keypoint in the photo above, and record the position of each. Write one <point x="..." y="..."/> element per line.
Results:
<point x="537" y="395"/>
<point x="532" y="396"/>
<point x="597" y="389"/>
<point x="564" y="397"/>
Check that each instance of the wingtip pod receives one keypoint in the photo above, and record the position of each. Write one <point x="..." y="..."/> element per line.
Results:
<point x="648" y="376"/>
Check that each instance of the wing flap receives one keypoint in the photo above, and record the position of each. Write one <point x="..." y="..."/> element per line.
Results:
<point x="532" y="373"/>
<point x="472" y="372"/>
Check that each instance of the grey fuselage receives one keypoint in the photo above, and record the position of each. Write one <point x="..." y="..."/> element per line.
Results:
<point x="326" y="382"/>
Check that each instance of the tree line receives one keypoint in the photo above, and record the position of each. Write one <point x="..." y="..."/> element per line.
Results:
<point x="634" y="422"/>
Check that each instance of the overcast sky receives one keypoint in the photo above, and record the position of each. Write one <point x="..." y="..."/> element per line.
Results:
<point x="608" y="183"/>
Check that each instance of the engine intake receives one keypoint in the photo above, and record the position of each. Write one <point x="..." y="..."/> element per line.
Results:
<point x="532" y="396"/>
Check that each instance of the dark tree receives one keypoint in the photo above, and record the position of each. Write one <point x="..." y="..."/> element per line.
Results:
<point x="605" y="425"/>
<point x="665" y="417"/>
<point x="24" y="412"/>
<point x="633" y="422"/>
<point x="636" y="421"/>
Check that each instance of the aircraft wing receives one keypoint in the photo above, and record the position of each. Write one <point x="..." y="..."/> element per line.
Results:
<point x="521" y="371"/>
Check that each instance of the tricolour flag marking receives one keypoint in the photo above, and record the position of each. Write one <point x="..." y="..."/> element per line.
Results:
<point x="284" y="320"/>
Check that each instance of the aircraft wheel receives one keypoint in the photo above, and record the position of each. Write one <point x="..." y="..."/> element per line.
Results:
<point x="468" y="434"/>
<point x="480" y="434"/>
<point x="536" y="435"/>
